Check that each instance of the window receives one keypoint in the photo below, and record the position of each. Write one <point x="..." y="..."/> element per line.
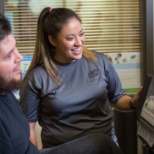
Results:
<point x="109" y="25"/>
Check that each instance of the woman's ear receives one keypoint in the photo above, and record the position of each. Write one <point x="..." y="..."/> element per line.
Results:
<point x="51" y="40"/>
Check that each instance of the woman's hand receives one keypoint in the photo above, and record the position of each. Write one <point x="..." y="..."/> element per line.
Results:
<point x="126" y="102"/>
<point x="134" y="100"/>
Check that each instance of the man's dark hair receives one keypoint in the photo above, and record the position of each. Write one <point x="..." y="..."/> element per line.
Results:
<point x="5" y="27"/>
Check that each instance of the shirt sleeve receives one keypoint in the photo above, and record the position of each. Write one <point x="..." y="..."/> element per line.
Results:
<point x="115" y="90"/>
<point x="30" y="99"/>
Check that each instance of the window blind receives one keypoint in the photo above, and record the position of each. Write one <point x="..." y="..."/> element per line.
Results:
<point x="109" y="25"/>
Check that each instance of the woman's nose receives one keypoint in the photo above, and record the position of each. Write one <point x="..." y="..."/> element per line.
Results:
<point x="78" y="41"/>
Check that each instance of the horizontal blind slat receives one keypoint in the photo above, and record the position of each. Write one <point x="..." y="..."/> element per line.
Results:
<point x="109" y="25"/>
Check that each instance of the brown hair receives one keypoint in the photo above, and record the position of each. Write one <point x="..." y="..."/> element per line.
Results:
<point x="50" y="22"/>
<point x="5" y="28"/>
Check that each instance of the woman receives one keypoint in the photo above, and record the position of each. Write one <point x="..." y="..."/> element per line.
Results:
<point x="67" y="87"/>
<point x="14" y="129"/>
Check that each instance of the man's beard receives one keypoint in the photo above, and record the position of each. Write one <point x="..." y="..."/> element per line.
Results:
<point x="6" y="86"/>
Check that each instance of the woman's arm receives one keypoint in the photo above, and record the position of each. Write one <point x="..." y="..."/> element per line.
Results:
<point x="126" y="102"/>
<point x="32" y="133"/>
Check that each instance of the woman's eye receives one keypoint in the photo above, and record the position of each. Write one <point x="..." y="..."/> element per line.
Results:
<point x="70" y="38"/>
<point x="81" y="34"/>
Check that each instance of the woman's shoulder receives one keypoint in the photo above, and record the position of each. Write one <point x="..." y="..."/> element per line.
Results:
<point x="38" y="69"/>
<point x="101" y="56"/>
<point x="37" y="72"/>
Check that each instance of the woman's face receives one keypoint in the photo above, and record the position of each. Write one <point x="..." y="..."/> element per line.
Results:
<point x="70" y="42"/>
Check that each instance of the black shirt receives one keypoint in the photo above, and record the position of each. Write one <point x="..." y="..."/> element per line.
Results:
<point x="14" y="129"/>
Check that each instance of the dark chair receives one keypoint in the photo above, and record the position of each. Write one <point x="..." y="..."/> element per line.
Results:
<point x="126" y="130"/>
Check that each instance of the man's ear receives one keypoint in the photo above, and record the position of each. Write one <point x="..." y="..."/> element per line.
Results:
<point x="51" y="40"/>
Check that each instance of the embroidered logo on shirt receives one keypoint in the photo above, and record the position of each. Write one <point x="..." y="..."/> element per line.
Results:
<point x="94" y="73"/>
